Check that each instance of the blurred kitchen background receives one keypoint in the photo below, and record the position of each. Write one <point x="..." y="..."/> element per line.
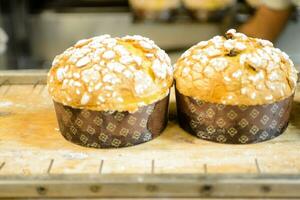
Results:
<point x="34" y="31"/>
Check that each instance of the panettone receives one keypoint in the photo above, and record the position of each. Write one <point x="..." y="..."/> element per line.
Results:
<point x="235" y="70"/>
<point x="154" y="5"/>
<point x="111" y="74"/>
<point x="208" y="5"/>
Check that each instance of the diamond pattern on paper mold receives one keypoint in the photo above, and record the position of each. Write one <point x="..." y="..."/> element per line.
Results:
<point x="131" y="120"/>
<point x="68" y="136"/>
<point x="264" y="135"/>
<point x="254" y="129"/>
<point x="243" y="139"/>
<point x="78" y="122"/>
<point x="192" y="108"/>
<point x="83" y="139"/>
<point x="103" y="137"/>
<point x="149" y="110"/>
<point x="220" y="106"/>
<point x="203" y="134"/>
<point x="210" y="113"/>
<point x="85" y="113"/>
<point x="200" y="119"/>
<point x="98" y="121"/>
<point x="221" y="122"/>
<point x="232" y="131"/>
<point x="231" y="115"/>
<point x="124" y="132"/>
<point x="281" y="112"/>
<point x="111" y="127"/>
<point x="254" y="113"/>
<point x="273" y="124"/>
<point x="210" y="129"/>
<point x="119" y="116"/>
<point x="73" y="130"/>
<point x="193" y="124"/>
<point x="116" y="142"/>
<point x="136" y="135"/>
<point x="243" y="107"/>
<point x="143" y="123"/>
<point x="274" y="108"/>
<point x="147" y="136"/>
<point x="264" y="120"/>
<point x="243" y="123"/>
<point x="199" y="102"/>
<point x="221" y="138"/>
<point x="90" y="130"/>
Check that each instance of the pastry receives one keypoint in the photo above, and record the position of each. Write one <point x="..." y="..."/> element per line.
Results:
<point x="106" y="90"/>
<point x="242" y="75"/>
<point x="208" y="10"/>
<point x="164" y="10"/>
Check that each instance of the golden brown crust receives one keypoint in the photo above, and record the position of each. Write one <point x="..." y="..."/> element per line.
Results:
<point x="111" y="74"/>
<point x="155" y="5"/>
<point x="235" y="70"/>
<point x="209" y="5"/>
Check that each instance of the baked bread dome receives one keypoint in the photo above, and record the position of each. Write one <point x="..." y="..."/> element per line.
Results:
<point x="111" y="74"/>
<point x="208" y="5"/>
<point x="235" y="70"/>
<point x="155" y="5"/>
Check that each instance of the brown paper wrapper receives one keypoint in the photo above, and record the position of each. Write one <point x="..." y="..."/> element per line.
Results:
<point x="100" y="129"/>
<point x="233" y="124"/>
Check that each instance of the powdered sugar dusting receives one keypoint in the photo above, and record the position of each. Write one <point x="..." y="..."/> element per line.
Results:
<point x="110" y="65"/>
<point x="243" y="65"/>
